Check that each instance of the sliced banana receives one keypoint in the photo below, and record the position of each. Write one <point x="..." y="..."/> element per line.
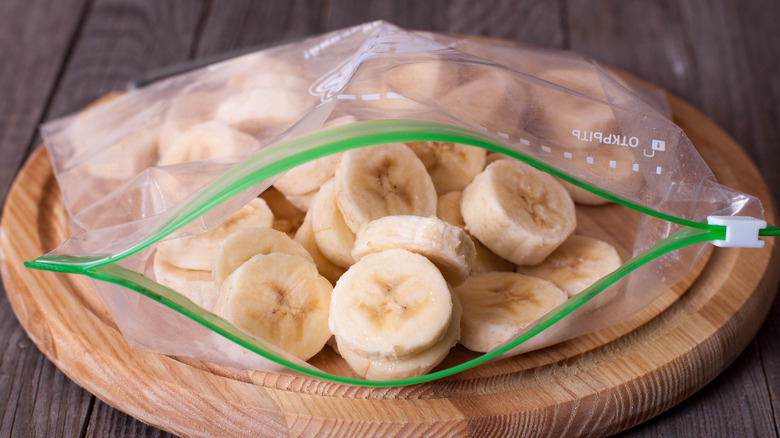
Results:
<point x="390" y="369"/>
<point x="451" y="166"/>
<point x="578" y="195"/>
<point x="392" y="304"/>
<point x="560" y="112"/>
<point x="576" y="264"/>
<point x="498" y="305"/>
<point x="287" y="217"/>
<point x="302" y="182"/>
<point x="448" y="209"/>
<point x="281" y="299"/>
<point x="183" y="113"/>
<point x="520" y="213"/>
<point x="487" y="97"/>
<point x="582" y="196"/>
<point x="263" y="111"/>
<point x="309" y="177"/>
<point x="333" y="236"/>
<point x="305" y="236"/>
<point x="205" y="141"/>
<point x="196" y="285"/>
<point x="200" y="250"/>
<point x="246" y="243"/>
<point x="380" y="181"/>
<point x="444" y="244"/>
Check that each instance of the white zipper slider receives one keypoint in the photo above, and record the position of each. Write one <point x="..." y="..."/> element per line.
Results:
<point x="741" y="231"/>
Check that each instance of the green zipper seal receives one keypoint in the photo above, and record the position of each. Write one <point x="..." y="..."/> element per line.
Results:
<point x="283" y="156"/>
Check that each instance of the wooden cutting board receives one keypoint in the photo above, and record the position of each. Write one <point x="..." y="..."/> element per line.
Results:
<point x="596" y="384"/>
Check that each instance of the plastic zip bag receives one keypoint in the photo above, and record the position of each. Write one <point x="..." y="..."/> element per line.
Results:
<point x="143" y="167"/>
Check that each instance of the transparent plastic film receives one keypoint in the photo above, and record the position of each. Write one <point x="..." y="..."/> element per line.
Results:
<point x="157" y="180"/>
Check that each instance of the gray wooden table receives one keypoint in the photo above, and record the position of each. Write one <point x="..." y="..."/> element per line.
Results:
<point x="56" y="56"/>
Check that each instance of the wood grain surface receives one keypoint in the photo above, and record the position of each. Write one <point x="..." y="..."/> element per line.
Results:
<point x="719" y="55"/>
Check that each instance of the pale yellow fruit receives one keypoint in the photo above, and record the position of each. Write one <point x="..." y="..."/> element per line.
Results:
<point x="447" y="246"/>
<point x="451" y="166"/>
<point x="205" y="141"/>
<point x="380" y="181"/>
<point x="280" y="299"/>
<point x="392" y="304"/>
<point x="448" y="209"/>
<point x="520" y="213"/>
<point x="381" y="368"/>
<point x="200" y="250"/>
<point x="333" y="236"/>
<point x="196" y="285"/>
<point x="246" y="243"/>
<point x="498" y="305"/>
<point x="305" y="236"/>
<point x="576" y="264"/>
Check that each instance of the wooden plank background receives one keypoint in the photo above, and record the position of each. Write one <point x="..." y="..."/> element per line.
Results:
<point x="59" y="55"/>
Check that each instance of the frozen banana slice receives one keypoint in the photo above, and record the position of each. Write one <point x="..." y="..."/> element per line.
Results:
<point x="200" y="250"/>
<point x="333" y="236"/>
<point x="301" y="183"/>
<point x="308" y="177"/>
<point x="183" y="113"/>
<point x="392" y="304"/>
<point x="451" y="166"/>
<point x="206" y="141"/>
<point x="196" y="285"/>
<point x="576" y="264"/>
<point x="246" y="243"/>
<point x="305" y="236"/>
<point x="447" y="246"/>
<point x="520" y="213"/>
<point x="448" y="209"/>
<point x="280" y="299"/>
<point x="380" y="181"/>
<point x="382" y="368"/>
<point x="263" y="111"/>
<point x="498" y="305"/>
<point x="583" y="109"/>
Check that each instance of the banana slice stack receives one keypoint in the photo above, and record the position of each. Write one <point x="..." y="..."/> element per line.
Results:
<point x="400" y="251"/>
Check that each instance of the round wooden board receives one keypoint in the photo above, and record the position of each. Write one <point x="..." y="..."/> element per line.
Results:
<point x="596" y="384"/>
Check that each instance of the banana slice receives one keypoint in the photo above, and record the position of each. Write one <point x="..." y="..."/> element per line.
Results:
<point x="448" y="209"/>
<point x="578" y="195"/>
<point x="301" y="183"/>
<point x="390" y="369"/>
<point x="246" y="243"/>
<point x="184" y="112"/>
<point x="194" y="284"/>
<point x="333" y="236"/>
<point x="263" y="111"/>
<point x="561" y="112"/>
<point x="582" y="196"/>
<point x="392" y="304"/>
<point x="576" y="264"/>
<point x="447" y="246"/>
<point x="498" y="305"/>
<point x="451" y="166"/>
<point x="380" y="181"/>
<point x="287" y="217"/>
<point x="309" y="177"/>
<point x="520" y="213"/>
<point x="200" y="250"/>
<point x="206" y="141"/>
<point x="305" y="236"/>
<point x="281" y="299"/>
